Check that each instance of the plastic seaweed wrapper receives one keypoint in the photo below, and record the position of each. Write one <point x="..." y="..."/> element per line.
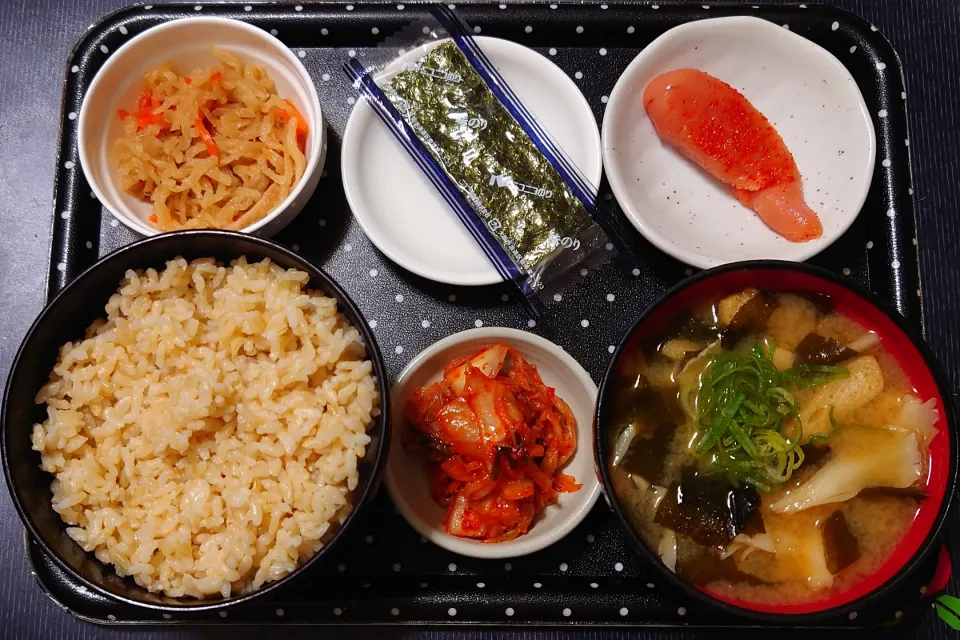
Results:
<point x="523" y="201"/>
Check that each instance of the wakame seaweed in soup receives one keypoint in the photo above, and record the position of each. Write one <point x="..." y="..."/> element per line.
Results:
<point x="526" y="204"/>
<point x="768" y="447"/>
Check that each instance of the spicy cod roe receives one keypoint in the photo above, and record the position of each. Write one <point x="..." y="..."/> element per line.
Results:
<point x="495" y="438"/>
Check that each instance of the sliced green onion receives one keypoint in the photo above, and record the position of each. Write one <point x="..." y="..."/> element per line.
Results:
<point x="742" y="406"/>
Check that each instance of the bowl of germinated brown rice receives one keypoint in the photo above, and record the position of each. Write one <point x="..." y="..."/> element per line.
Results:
<point x="194" y="421"/>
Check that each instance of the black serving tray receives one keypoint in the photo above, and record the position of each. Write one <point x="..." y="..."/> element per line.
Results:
<point x="388" y="573"/>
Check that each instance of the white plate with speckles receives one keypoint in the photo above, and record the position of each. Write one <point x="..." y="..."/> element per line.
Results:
<point x="805" y="92"/>
<point x="401" y="211"/>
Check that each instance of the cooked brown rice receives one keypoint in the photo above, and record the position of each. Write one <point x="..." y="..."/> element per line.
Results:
<point x="205" y="438"/>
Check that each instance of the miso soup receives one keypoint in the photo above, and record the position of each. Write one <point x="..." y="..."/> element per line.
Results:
<point x="768" y="448"/>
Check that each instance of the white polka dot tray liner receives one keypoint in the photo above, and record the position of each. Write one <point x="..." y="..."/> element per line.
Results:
<point x="387" y="573"/>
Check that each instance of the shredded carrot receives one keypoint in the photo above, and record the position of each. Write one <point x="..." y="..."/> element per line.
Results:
<point x="153" y="218"/>
<point x="188" y="80"/>
<point x="150" y="118"/>
<point x="302" y="126"/>
<point x="206" y="137"/>
<point x="215" y="77"/>
<point x="148" y="112"/>
<point x="145" y="101"/>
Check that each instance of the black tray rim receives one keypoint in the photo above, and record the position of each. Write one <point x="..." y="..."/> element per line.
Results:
<point x="419" y="624"/>
<point x="108" y="21"/>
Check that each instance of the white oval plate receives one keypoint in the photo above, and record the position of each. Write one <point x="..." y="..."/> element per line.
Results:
<point x="805" y="92"/>
<point x="407" y="479"/>
<point x="402" y="213"/>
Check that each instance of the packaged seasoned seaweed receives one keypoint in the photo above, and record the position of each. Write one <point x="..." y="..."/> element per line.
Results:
<point x="521" y="198"/>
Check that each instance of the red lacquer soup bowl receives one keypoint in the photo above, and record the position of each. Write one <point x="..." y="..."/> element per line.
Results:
<point x="914" y="357"/>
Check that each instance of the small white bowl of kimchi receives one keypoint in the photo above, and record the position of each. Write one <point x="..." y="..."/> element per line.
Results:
<point x="202" y="123"/>
<point x="492" y="454"/>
